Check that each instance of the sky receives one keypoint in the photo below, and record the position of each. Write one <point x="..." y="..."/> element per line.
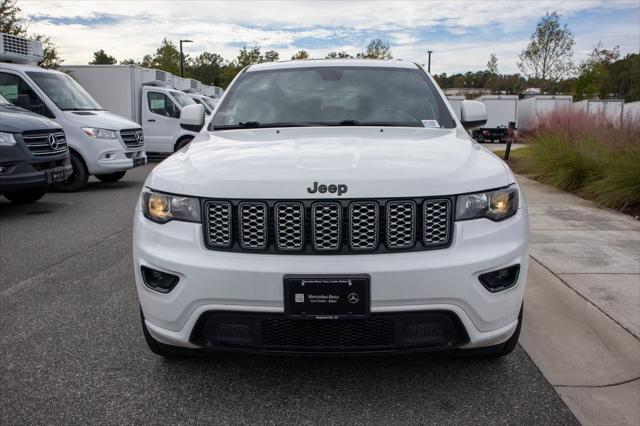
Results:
<point x="461" y="34"/>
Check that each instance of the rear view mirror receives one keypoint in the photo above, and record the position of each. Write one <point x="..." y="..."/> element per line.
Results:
<point x="473" y="114"/>
<point x="192" y="117"/>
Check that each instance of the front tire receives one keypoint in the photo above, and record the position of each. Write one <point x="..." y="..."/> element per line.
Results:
<point x="26" y="196"/>
<point x="182" y="143"/>
<point x="78" y="179"/>
<point x="111" y="177"/>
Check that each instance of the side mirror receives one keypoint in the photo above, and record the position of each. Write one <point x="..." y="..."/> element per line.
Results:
<point x="473" y="114"/>
<point x="192" y="118"/>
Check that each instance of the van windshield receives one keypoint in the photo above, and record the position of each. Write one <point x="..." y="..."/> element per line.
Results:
<point x="64" y="91"/>
<point x="182" y="99"/>
<point x="333" y="96"/>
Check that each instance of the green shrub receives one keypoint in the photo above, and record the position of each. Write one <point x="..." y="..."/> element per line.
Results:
<point x="578" y="153"/>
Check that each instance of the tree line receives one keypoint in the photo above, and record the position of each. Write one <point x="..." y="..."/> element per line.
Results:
<point x="546" y="62"/>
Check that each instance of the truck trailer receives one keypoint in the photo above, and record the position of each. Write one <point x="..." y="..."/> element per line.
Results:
<point x="456" y="103"/>
<point x="502" y="113"/>
<point x="531" y="109"/>
<point x="144" y="95"/>
<point x="610" y="111"/>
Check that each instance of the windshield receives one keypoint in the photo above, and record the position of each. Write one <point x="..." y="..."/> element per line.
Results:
<point x="182" y="99"/>
<point x="201" y="102"/>
<point x="3" y="101"/>
<point x="211" y="102"/>
<point x="64" y="91"/>
<point x="335" y="95"/>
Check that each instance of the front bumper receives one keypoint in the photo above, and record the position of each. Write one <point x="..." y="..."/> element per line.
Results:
<point x="33" y="174"/>
<point x="439" y="280"/>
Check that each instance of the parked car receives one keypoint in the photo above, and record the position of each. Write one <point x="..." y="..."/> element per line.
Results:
<point x="33" y="154"/>
<point x="331" y="206"/>
<point x="101" y="144"/>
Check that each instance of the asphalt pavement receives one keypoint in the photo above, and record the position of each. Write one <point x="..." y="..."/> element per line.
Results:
<point x="72" y="351"/>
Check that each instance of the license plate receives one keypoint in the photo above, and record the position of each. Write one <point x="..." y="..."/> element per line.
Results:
<point x="327" y="297"/>
<point x="56" y="175"/>
<point x="137" y="162"/>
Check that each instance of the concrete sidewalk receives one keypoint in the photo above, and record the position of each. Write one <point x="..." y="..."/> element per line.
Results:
<point x="582" y="307"/>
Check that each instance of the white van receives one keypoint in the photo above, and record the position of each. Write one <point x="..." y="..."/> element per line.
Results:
<point x="101" y="143"/>
<point x="143" y="95"/>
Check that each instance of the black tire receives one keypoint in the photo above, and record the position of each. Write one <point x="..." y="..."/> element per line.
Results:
<point x="162" y="349"/>
<point x="182" y="143"/>
<point x="111" y="177"/>
<point x="78" y="179"/>
<point x="26" y="196"/>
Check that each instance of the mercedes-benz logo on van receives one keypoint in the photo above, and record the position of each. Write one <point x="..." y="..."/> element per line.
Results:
<point x="138" y="137"/>
<point x="353" y="298"/>
<point x="53" y="142"/>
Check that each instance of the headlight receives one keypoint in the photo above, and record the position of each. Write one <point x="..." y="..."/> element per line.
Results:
<point x="7" y="139"/>
<point x="163" y="208"/>
<point x="99" y="133"/>
<point x="495" y="205"/>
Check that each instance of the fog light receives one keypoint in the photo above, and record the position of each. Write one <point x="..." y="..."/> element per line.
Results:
<point x="501" y="279"/>
<point x="157" y="280"/>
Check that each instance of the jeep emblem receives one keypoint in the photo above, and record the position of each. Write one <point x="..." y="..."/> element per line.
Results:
<point x="333" y="188"/>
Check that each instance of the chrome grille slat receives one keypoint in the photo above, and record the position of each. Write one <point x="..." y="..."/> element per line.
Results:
<point x="132" y="138"/>
<point x="253" y="225"/>
<point x="289" y="218"/>
<point x="326" y="229"/>
<point x="218" y="223"/>
<point x="330" y="227"/>
<point x="401" y="224"/>
<point x="436" y="216"/>
<point x="363" y="225"/>
<point x="38" y="142"/>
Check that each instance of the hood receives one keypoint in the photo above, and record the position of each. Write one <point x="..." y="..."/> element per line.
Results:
<point x="100" y="119"/>
<point x="371" y="162"/>
<point x="18" y="120"/>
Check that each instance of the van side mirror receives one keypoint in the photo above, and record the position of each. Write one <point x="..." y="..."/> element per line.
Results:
<point x="192" y="118"/>
<point x="473" y="114"/>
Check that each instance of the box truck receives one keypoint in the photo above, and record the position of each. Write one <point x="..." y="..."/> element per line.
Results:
<point x="502" y="113"/>
<point x="631" y="112"/>
<point x="100" y="143"/>
<point x="610" y="111"/>
<point x="530" y="110"/>
<point x="143" y="95"/>
<point x="212" y="91"/>
<point x="456" y="103"/>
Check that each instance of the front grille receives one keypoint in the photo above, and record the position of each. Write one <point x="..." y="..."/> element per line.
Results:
<point x="43" y="143"/>
<point x="379" y="332"/>
<point x="330" y="227"/>
<point x="132" y="138"/>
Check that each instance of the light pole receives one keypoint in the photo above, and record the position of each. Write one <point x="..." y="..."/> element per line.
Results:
<point x="182" y="56"/>
<point x="429" y="63"/>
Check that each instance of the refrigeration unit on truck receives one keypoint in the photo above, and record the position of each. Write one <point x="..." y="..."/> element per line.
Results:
<point x="188" y="85"/>
<point x="100" y="143"/>
<point x="501" y="118"/>
<point x="531" y="110"/>
<point x="610" y="111"/>
<point x="143" y="95"/>
<point x="456" y="103"/>
<point x="212" y="91"/>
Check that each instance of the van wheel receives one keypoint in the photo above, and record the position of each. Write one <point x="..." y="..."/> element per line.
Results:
<point x="78" y="178"/>
<point x="182" y="143"/>
<point x="111" y="177"/>
<point x="26" y="196"/>
<point x="162" y="349"/>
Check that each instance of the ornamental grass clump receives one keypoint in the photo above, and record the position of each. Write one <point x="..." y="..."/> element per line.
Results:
<point x="584" y="154"/>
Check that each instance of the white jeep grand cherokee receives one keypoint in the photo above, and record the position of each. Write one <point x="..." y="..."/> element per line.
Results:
<point x="332" y="206"/>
